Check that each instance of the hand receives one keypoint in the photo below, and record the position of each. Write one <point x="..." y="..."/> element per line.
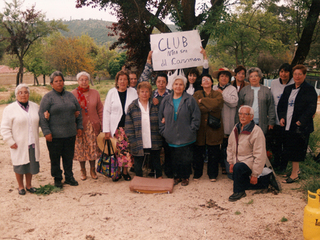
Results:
<point x="219" y="90"/>
<point x="298" y="123"/>
<point x="270" y="127"/>
<point x="14" y="146"/>
<point x="79" y="132"/>
<point x="149" y="57"/>
<point x="231" y="168"/>
<point x="48" y="137"/>
<point x="107" y="136"/>
<point x="155" y="101"/>
<point x="203" y="52"/>
<point x="46" y="115"/>
<point x="77" y="113"/>
<point x="282" y="122"/>
<point x="163" y="121"/>
<point x="199" y="100"/>
<point x="253" y="180"/>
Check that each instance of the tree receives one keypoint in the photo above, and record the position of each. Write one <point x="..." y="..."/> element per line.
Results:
<point x="69" y="55"/>
<point x="116" y="63"/>
<point x="307" y="34"/>
<point x="138" y="18"/>
<point x="23" y="29"/>
<point x="241" y="36"/>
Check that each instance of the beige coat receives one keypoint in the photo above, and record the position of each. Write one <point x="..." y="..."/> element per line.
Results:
<point x="212" y="103"/>
<point x="251" y="149"/>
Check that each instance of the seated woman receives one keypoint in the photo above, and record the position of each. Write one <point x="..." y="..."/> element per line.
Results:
<point x="179" y="120"/>
<point x="142" y="130"/>
<point x="20" y="130"/>
<point x="246" y="154"/>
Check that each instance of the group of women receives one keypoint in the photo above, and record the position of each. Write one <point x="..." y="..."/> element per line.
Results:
<point x="192" y="122"/>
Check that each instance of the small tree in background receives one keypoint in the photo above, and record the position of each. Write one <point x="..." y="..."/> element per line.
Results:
<point x="24" y="28"/>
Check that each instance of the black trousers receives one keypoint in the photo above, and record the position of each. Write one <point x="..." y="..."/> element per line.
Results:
<point x="276" y="145"/>
<point x="61" y="147"/>
<point x="181" y="161"/>
<point x="154" y="161"/>
<point x="241" y="179"/>
<point x="214" y="156"/>
<point x="167" y="160"/>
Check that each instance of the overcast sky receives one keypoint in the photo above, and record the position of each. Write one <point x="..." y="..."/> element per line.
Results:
<point x="64" y="9"/>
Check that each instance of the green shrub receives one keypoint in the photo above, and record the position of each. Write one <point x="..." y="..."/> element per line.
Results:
<point x="35" y="97"/>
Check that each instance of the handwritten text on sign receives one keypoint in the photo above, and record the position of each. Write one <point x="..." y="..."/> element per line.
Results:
<point x="176" y="50"/>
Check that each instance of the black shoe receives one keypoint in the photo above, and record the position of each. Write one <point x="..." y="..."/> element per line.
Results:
<point x="237" y="196"/>
<point x="151" y="174"/>
<point x="22" y="192"/>
<point x="116" y="179"/>
<point x="71" y="182"/>
<point x="32" y="190"/>
<point x="126" y="177"/>
<point x="58" y="183"/>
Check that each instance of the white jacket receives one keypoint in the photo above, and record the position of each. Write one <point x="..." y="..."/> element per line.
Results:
<point x="14" y="129"/>
<point x="112" y="110"/>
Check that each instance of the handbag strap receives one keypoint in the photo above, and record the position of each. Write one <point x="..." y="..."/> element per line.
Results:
<point x="109" y="144"/>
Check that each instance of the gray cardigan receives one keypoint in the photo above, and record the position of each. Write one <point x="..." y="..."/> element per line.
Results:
<point x="184" y="129"/>
<point x="267" y="113"/>
<point x="62" y="107"/>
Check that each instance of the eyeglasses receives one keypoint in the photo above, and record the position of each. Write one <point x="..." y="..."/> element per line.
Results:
<point x="83" y="80"/>
<point x="20" y="92"/>
<point x="206" y="79"/>
<point x="244" y="114"/>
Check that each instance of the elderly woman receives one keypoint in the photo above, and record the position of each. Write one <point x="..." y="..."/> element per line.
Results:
<point x="86" y="148"/>
<point x="20" y="130"/>
<point x="114" y="114"/>
<point x="240" y="76"/>
<point x="277" y="87"/>
<point x="142" y="130"/>
<point x="209" y="102"/>
<point x="61" y="129"/>
<point x="296" y="108"/>
<point x="246" y="155"/>
<point x="258" y="97"/>
<point x="230" y="102"/>
<point x="179" y="120"/>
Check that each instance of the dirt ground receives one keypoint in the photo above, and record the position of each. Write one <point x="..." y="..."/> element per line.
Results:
<point x="102" y="209"/>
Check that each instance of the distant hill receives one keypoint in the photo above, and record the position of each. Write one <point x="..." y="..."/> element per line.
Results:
<point x="97" y="29"/>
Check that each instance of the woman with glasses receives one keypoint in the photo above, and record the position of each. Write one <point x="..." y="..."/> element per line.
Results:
<point x="86" y="148"/>
<point x="260" y="98"/>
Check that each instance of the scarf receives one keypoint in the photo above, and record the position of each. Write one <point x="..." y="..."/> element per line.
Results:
<point x="224" y="87"/>
<point x="82" y="99"/>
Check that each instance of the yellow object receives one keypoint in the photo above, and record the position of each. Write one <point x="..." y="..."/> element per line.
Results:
<point x="311" y="220"/>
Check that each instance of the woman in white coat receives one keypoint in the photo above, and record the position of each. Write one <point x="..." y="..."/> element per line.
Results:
<point x="114" y="115"/>
<point x="20" y="130"/>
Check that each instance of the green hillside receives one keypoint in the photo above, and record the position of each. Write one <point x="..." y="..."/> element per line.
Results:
<point x="97" y="29"/>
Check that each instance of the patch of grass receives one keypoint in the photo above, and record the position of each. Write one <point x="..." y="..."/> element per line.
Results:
<point x="314" y="139"/>
<point x="284" y="219"/>
<point x="3" y="89"/>
<point x="237" y="213"/>
<point x="35" y="97"/>
<point x="41" y="134"/>
<point x="250" y="202"/>
<point x="11" y="99"/>
<point x="47" y="189"/>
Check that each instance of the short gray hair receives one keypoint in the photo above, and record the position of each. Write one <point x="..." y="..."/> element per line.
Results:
<point x="83" y="73"/>
<point x="56" y="74"/>
<point x="247" y="106"/>
<point x="254" y="69"/>
<point x="21" y="85"/>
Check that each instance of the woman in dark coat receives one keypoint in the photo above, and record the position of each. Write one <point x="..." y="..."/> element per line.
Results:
<point x="296" y="108"/>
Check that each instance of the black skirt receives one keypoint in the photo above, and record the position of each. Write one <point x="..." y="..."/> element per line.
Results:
<point x="295" y="146"/>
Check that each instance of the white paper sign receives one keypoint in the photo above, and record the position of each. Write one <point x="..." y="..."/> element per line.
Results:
<point x="176" y="50"/>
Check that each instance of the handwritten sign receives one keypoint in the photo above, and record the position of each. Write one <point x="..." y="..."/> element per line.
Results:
<point x="176" y="50"/>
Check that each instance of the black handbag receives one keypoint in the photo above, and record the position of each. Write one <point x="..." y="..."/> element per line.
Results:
<point x="212" y="121"/>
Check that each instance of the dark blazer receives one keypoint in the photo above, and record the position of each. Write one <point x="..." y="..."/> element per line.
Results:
<point x="305" y="107"/>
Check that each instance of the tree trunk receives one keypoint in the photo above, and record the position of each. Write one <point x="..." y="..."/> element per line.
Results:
<point x="35" y="80"/>
<point x="44" y="79"/>
<point x="306" y="37"/>
<point x="20" y="71"/>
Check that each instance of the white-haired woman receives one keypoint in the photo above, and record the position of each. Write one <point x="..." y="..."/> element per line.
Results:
<point x="260" y="98"/>
<point x="86" y="148"/>
<point x="20" y="130"/>
<point x="179" y="120"/>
